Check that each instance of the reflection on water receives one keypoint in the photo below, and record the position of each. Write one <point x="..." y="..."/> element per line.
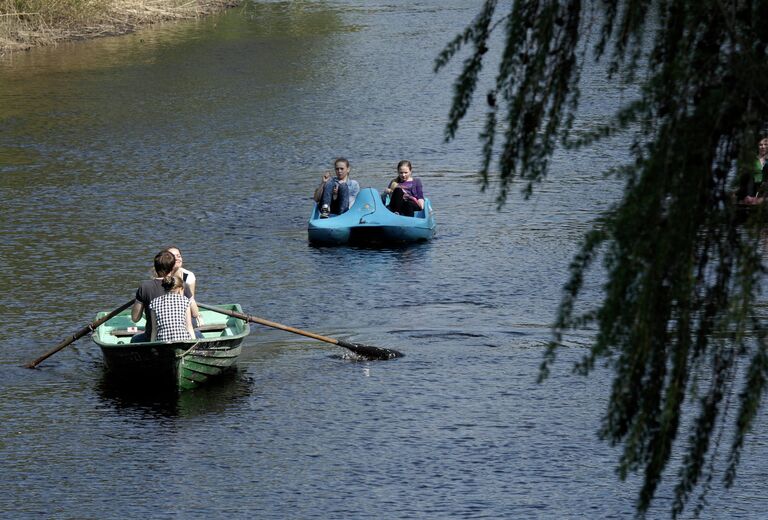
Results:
<point x="212" y="135"/>
<point x="222" y="392"/>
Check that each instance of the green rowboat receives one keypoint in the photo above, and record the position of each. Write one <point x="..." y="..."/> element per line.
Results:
<point x="184" y="364"/>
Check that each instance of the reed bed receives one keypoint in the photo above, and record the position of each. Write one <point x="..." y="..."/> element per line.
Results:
<point x="29" y="23"/>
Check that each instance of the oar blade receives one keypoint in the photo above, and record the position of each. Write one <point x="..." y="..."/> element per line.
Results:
<point x="371" y="352"/>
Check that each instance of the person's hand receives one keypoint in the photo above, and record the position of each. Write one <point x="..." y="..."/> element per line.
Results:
<point x="326" y="176"/>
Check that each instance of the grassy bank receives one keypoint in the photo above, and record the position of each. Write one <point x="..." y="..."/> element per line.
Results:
<point x="29" y="23"/>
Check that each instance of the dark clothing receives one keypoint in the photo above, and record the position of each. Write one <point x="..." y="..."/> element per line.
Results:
<point x="148" y="291"/>
<point x="754" y="184"/>
<point x="413" y="188"/>
<point x="401" y="202"/>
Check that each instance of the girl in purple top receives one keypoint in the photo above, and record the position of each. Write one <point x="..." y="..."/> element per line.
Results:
<point x="406" y="195"/>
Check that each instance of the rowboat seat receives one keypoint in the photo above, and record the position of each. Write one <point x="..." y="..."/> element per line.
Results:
<point x="123" y="333"/>
<point x="213" y="327"/>
<point x="132" y="331"/>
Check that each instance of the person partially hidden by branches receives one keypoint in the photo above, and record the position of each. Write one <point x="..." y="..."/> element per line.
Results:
<point x="681" y="320"/>
<point x="752" y="189"/>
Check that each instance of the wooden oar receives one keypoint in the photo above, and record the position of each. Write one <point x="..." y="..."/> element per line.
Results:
<point x="367" y="351"/>
<point x="79" y="334"/>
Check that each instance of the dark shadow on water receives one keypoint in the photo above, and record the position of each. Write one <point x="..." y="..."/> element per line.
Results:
<point x="351" y="254"/>
<point x="164" y="401"/>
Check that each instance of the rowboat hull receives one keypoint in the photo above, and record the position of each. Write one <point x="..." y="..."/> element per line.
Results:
<point x="369" y="221"/>
<point x="184" y="364"/>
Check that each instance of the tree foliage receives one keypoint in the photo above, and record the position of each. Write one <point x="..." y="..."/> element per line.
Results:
<point x="683" y="267"/>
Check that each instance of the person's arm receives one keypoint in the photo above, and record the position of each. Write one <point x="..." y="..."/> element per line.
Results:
<point x="137" y="311"/>
<point x="195" y="311"/>
<point x="318" y="195"/>
<point x="354" y="190"/>
<point x="190" y="329"/>
<point x="192" y="286"/>
<point x="191" y="282"/>
<point x="418" y="193"/>
<point x="192" y="304"/>
<point x="153" y="317"/>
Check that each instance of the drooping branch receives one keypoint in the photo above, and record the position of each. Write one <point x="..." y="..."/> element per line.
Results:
<point x="683" y="269"/>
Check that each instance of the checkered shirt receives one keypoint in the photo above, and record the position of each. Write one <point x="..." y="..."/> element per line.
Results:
<point x="171" y="311"/>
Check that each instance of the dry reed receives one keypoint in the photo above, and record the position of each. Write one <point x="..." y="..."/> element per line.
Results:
<point x="29" y="23"/>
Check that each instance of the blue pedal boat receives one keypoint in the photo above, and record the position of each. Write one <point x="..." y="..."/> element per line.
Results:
<point x="369" y="221"/>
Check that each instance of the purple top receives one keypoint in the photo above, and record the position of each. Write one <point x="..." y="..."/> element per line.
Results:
<point x="412" y="188"/>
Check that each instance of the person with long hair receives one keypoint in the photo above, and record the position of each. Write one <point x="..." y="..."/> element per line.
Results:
<point x="170" y="313"/>
<point x="164" y="264"/>
<point x="189" y="280"/>
<point x="406" y="194"/>
<point x="334" y="196"/>
<point x="752" y="190"/>
<point x="186" y="275"/>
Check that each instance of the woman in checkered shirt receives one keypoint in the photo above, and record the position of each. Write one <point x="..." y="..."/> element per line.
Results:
<point x="170" y="313"/>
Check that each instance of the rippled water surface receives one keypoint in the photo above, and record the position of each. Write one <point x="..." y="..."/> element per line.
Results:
<point x="212" y="135"/>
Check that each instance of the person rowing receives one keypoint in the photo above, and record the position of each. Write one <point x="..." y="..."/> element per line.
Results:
<point x="164" y="264"/>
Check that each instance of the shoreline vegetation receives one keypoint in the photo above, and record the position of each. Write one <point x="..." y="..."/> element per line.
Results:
<point x="25" y="24"/>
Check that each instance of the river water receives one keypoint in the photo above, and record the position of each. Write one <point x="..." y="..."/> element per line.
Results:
<point x="211" y="135"/>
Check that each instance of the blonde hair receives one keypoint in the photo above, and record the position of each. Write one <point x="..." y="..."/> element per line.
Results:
<point x="172" y="281"/>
